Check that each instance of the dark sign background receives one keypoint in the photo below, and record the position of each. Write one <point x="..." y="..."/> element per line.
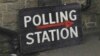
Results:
<point x="47" y="45"/>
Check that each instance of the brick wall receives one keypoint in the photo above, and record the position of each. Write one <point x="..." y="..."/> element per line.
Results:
<point x="8" y="18"/>
<point x="9" y="12"/>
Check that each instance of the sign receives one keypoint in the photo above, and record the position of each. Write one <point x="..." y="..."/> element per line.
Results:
<point x="50" y="27"/>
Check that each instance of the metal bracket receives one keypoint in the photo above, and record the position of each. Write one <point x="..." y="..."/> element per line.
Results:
<point x="87" y="5"/>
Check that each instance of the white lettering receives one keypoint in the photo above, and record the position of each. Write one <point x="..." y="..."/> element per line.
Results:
<point x="45" y="37"/>
<point x="30" y="38"/>
<point x="35" y="21"/>
<point x="74" y="32"/>
<point x="26" y="20"/>
<point x="38" y="36"/>
<point x="64" y="16"/>
<point x="63" y="32"/>
<point x="71" y="16"/>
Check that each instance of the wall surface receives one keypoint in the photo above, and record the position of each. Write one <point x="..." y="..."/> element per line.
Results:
<point x="9" y="14"/>
<point x="9" y="11"/>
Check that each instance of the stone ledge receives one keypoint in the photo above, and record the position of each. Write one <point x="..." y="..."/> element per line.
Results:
<point x="6" y="1"/>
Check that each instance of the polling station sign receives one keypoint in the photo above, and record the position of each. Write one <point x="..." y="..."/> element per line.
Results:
<point x="49" y="27"/>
